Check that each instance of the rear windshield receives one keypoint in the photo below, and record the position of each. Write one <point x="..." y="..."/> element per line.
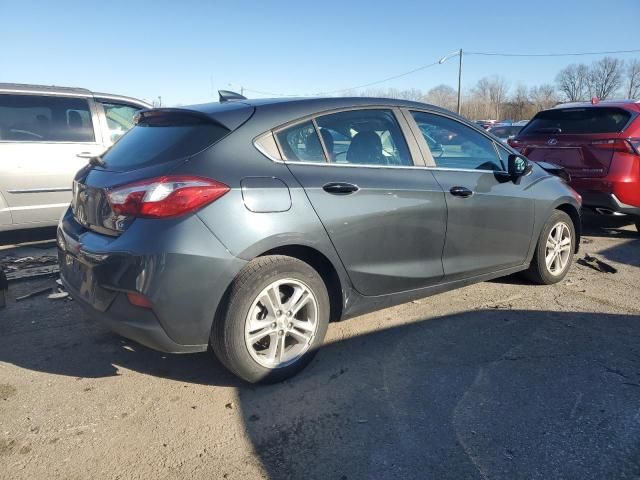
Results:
<point x="145" y="144"/>
<point x="578" y="120"/>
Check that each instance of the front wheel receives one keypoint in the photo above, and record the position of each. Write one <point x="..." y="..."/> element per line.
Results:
<point x="555" y="249"/>
<point x="274" y="320"/>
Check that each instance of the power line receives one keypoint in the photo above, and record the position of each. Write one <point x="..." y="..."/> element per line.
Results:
<point x="423" y="67"/>
<point x="571" y="54"/>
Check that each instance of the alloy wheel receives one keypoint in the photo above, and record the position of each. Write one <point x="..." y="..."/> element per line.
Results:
<point x="558" y="248"/>
<point x="282" y="323"/>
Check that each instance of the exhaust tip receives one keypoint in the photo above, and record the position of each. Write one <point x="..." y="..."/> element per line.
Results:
<point x="607" y="211"/>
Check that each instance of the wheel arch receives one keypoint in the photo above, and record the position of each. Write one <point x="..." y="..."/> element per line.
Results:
<point x="574" y="214"/>
<point x="325" y="268"/>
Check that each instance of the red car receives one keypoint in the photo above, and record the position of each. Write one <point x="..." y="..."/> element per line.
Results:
<point x="598" y="144"/>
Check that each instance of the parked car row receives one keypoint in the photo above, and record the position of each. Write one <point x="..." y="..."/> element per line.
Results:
<point x="46" y="135"/>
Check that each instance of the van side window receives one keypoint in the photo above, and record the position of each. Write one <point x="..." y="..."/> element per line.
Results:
<point x="120" y="118"/>
<point x="35" y="118"/>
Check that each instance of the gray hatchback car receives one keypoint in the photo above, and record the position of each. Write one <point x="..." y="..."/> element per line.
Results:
<point x="249" y="225"/>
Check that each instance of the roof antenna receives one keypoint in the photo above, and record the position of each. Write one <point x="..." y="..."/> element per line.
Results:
<point x="228" y="95"/>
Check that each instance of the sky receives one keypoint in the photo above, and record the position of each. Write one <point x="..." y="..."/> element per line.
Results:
<point x="184" y="51"/>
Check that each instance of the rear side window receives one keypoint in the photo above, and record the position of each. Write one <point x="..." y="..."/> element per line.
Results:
<point x="300" y="143"/>
<point x="33" y="118"/>
<point x="578" y="120"/>
<point x="147" y="144"/>
<point x="364" y="137"/>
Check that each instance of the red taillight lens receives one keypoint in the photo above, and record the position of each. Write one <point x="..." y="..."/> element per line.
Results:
<point x="168" y="196"/>
<point x="614" y="144"/>
<point x="513" y="142"/>
<point x="139" y="300"/>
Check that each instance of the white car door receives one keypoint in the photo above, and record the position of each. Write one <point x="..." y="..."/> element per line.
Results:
<point x="44" y="141"/>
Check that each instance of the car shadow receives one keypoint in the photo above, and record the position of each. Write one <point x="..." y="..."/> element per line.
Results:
<point x="483" y="394"/>
<point x="479" y="394"/>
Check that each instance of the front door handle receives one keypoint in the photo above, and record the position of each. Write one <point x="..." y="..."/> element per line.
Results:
<point x="85" y="155"/>
<point x="463" y="192"/>
<point x="340" y="188"/>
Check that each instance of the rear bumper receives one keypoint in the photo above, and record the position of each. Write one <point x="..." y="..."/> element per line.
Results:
<point x="607" y="202"/>
<point x="179" y="265"/>
<point x="137" y="324"/>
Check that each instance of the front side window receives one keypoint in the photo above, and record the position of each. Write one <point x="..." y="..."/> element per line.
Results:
<point x="120" y="118"/>
<point x="364" y="137"/>
<point x="32" y="118"/>
<point x="455" y="145"/>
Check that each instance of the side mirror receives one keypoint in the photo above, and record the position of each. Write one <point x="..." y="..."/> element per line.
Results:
<point x="518" y="167"/>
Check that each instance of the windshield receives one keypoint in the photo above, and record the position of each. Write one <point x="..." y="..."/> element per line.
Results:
<point x="147" y="144"/>
<point x="578" y="120"/>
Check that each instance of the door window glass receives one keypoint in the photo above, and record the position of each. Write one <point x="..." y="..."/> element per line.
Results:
<point x="32" y="118"/>
<point x="300" y="143"/>
<point x="120" y="118"/>
<point x="366" y="137"/>
<point x="455" y="145"/>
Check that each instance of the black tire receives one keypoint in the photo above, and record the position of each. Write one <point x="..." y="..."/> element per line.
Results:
<point x="638" y="226"/>
<point x="228" y="331"/>
<point x="538" y="271"/>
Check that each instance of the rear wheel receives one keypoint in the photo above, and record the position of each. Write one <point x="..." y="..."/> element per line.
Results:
<point x="274" y="320"/>
<point x="555" y="249"/>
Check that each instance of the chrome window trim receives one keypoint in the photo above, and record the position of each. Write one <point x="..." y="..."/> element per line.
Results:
<point x="264" y="151"/>
<point x="280" y="160"/>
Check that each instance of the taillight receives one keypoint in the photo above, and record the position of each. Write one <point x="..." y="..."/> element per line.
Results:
<point x="139" y="300"/>
<point x="615" y="144"/>
<point x="168" y="196"/>
<point x="513" y="142"/>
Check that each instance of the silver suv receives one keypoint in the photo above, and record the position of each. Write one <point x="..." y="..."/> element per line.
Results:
<point x="46" y="135"/>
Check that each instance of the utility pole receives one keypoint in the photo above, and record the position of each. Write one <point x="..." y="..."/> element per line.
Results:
<point x="460" y="83"/>
<point x="444" y="59"/>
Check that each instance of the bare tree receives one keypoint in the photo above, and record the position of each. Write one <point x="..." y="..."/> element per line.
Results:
<point x="519" y="102"/>
<point x="443" y="96"/>
<point x="633" y="79"/>
<point x="498" y="89"/>
<point x="573" y="82"/>
<point x="605" y="77"/>
<point x="543" y="97"/>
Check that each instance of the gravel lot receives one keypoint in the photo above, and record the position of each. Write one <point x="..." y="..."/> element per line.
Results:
<point x="500" y="380"/>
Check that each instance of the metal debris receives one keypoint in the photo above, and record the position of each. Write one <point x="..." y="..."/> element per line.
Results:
<point x="28" y="267"/>
<point x="58" y="295"/>
<point x="33" y="294"/>
<point x="4" y="287"/>
<point x="597" y="264"/>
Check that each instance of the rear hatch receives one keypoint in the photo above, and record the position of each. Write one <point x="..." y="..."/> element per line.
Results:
<point x="161" y="140"/>
<point x="583" y="140"/>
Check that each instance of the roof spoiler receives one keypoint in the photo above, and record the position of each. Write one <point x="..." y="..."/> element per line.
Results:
<point x="228" y="95"/>
<point x="172" y="116"/>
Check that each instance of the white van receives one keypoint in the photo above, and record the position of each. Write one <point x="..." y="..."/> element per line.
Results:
<point x="46" y="135"/>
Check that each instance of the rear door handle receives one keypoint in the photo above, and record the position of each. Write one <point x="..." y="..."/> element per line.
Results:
<point x="463" y="192"/>
<point x="340" y="188"/>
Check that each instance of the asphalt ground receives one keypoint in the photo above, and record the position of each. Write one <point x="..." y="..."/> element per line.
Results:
<point x="499" y="380"/>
